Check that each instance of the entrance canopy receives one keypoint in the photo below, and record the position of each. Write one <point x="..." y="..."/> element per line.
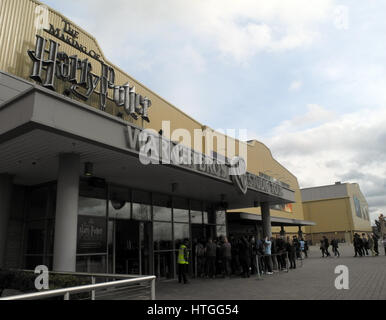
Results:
<point x="37" y="125"/>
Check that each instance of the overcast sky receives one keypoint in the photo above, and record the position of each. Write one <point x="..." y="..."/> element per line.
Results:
<point x="305" y="77"/>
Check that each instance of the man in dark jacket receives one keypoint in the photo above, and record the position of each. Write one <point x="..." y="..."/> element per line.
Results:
<point x="365" y="245"/>
<point x="245" y="256"/>
<point x="296" y="243"/>
<point x="357" y="241"/>
<point x="211" y="249"/>
<point x="226" y="256"/>
<point x="326" y="245"/>
<point x="375" y="240"/>
<point x="291" y="249"/>
<point x="334" y="245"/>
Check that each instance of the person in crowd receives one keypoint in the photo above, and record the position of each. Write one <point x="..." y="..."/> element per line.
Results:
<point x="306" y="248"/>
<point x="253" y="255"/>
<point x="296" y="243"/>
<point x="357" y="241"/>
<point x="335" y="246"/>
<point x="226" y="257"/>
<point x="282" y="255"/>
<point x="219" y="258"/>
<point x="322" y="249"/>
<point x="384" y="243"/>
<point x="245" y="256"/>
<point x="267" y="254"/>
<point x="260" y="256"/>
<point x="211" y="253"/>
<point x="365" y="245"/>
<point x="291" y="250"/>
<point x="302" y="246"/>
<point x="370" y="244"/>
<point x="183" y="261"/>
<point x="279" y="249"/>
<point x="274" y="254"/>
<point x="235" y="256"/>
<point x="326" y="245"/>
<point x="375" y="240"/>
<point x="200" y="252"/>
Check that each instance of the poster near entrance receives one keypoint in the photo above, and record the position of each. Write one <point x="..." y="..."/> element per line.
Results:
<point x="91" y="235"/>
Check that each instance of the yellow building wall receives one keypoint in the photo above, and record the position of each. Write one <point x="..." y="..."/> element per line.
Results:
<point x="329" y="215"/>
<point x="360" y="224"/>
<point x="333" y="218"/>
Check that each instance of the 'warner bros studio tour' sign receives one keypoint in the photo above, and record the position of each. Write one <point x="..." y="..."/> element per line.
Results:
<point x="50" y="63"/>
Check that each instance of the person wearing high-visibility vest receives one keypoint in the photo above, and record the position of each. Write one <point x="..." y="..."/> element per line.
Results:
<point x="183" y="262"/>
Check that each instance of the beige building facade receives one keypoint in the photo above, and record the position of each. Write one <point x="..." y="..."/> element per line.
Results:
<point x="339" y="211"/>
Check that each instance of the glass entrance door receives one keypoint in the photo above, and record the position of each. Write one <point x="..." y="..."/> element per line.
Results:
<point x="131" y="247"/>
<point x="127" y="249"/>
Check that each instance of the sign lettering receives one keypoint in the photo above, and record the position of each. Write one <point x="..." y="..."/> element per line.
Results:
<point x="50" y="63"/>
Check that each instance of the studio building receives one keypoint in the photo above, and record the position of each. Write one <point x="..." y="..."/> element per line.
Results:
<point x="74" y="194"/>
<point x="339" y="210"/>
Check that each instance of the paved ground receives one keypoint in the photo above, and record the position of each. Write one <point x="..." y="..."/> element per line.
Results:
<point x="314" y="281"/>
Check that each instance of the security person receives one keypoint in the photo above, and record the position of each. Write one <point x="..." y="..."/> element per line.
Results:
<point x="183" y="261"/>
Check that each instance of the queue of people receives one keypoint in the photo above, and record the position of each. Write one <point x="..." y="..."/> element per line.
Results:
<point x="245" y="256"/>
<point x="364" y="245"/>
<point x="367" y="244"/>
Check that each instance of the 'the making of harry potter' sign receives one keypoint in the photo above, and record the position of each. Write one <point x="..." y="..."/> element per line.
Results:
<point x="50" y="63"/>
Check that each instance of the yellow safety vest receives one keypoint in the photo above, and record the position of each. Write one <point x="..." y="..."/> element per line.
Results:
<point x="181" y="255"/>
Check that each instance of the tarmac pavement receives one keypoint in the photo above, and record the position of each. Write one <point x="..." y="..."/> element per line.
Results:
<point x="315" y="280"/>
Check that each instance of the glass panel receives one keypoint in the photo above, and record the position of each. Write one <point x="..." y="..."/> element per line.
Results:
<point x="205" y="215"/>
<point x="198" y="231"/>
<point x="221" y="231"/>
<point x="92" y="207"/>
<point x="50" y="233"/>
<point x="196" y="217"/>
<point x="164" y="264"/>
<point x="220" y="217"/>
<point x="162" y="213"/>
<point x="141" y="212"/>
<point x="196" y="205"/>
<point x="141" y="205"/>
<point x="35" y="237"/>
<point x="210" y="232"/>
<point x="162" y="235"/>
<point x="145" y="230"/>
<point x="51" y="201"/>
<point x="38" y="204"/>
<point x="181" y="215"/>
<point x="110" y="244"/>
<point x="120" y="203"/>
<point x="211" y="217"/>
<point x="91" y="264"/>
<point x="181" y="232"/>
<point x="119" y="210"/>
<point x="127" y="247"/>
<point x="180" y="210"/>
<point x="93" y="188"/>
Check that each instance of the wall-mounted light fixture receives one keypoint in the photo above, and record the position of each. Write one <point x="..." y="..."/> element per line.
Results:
<point x="88" y="169"/>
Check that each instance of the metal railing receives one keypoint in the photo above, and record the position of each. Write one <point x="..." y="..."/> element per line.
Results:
<point x="129" y="287"/>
